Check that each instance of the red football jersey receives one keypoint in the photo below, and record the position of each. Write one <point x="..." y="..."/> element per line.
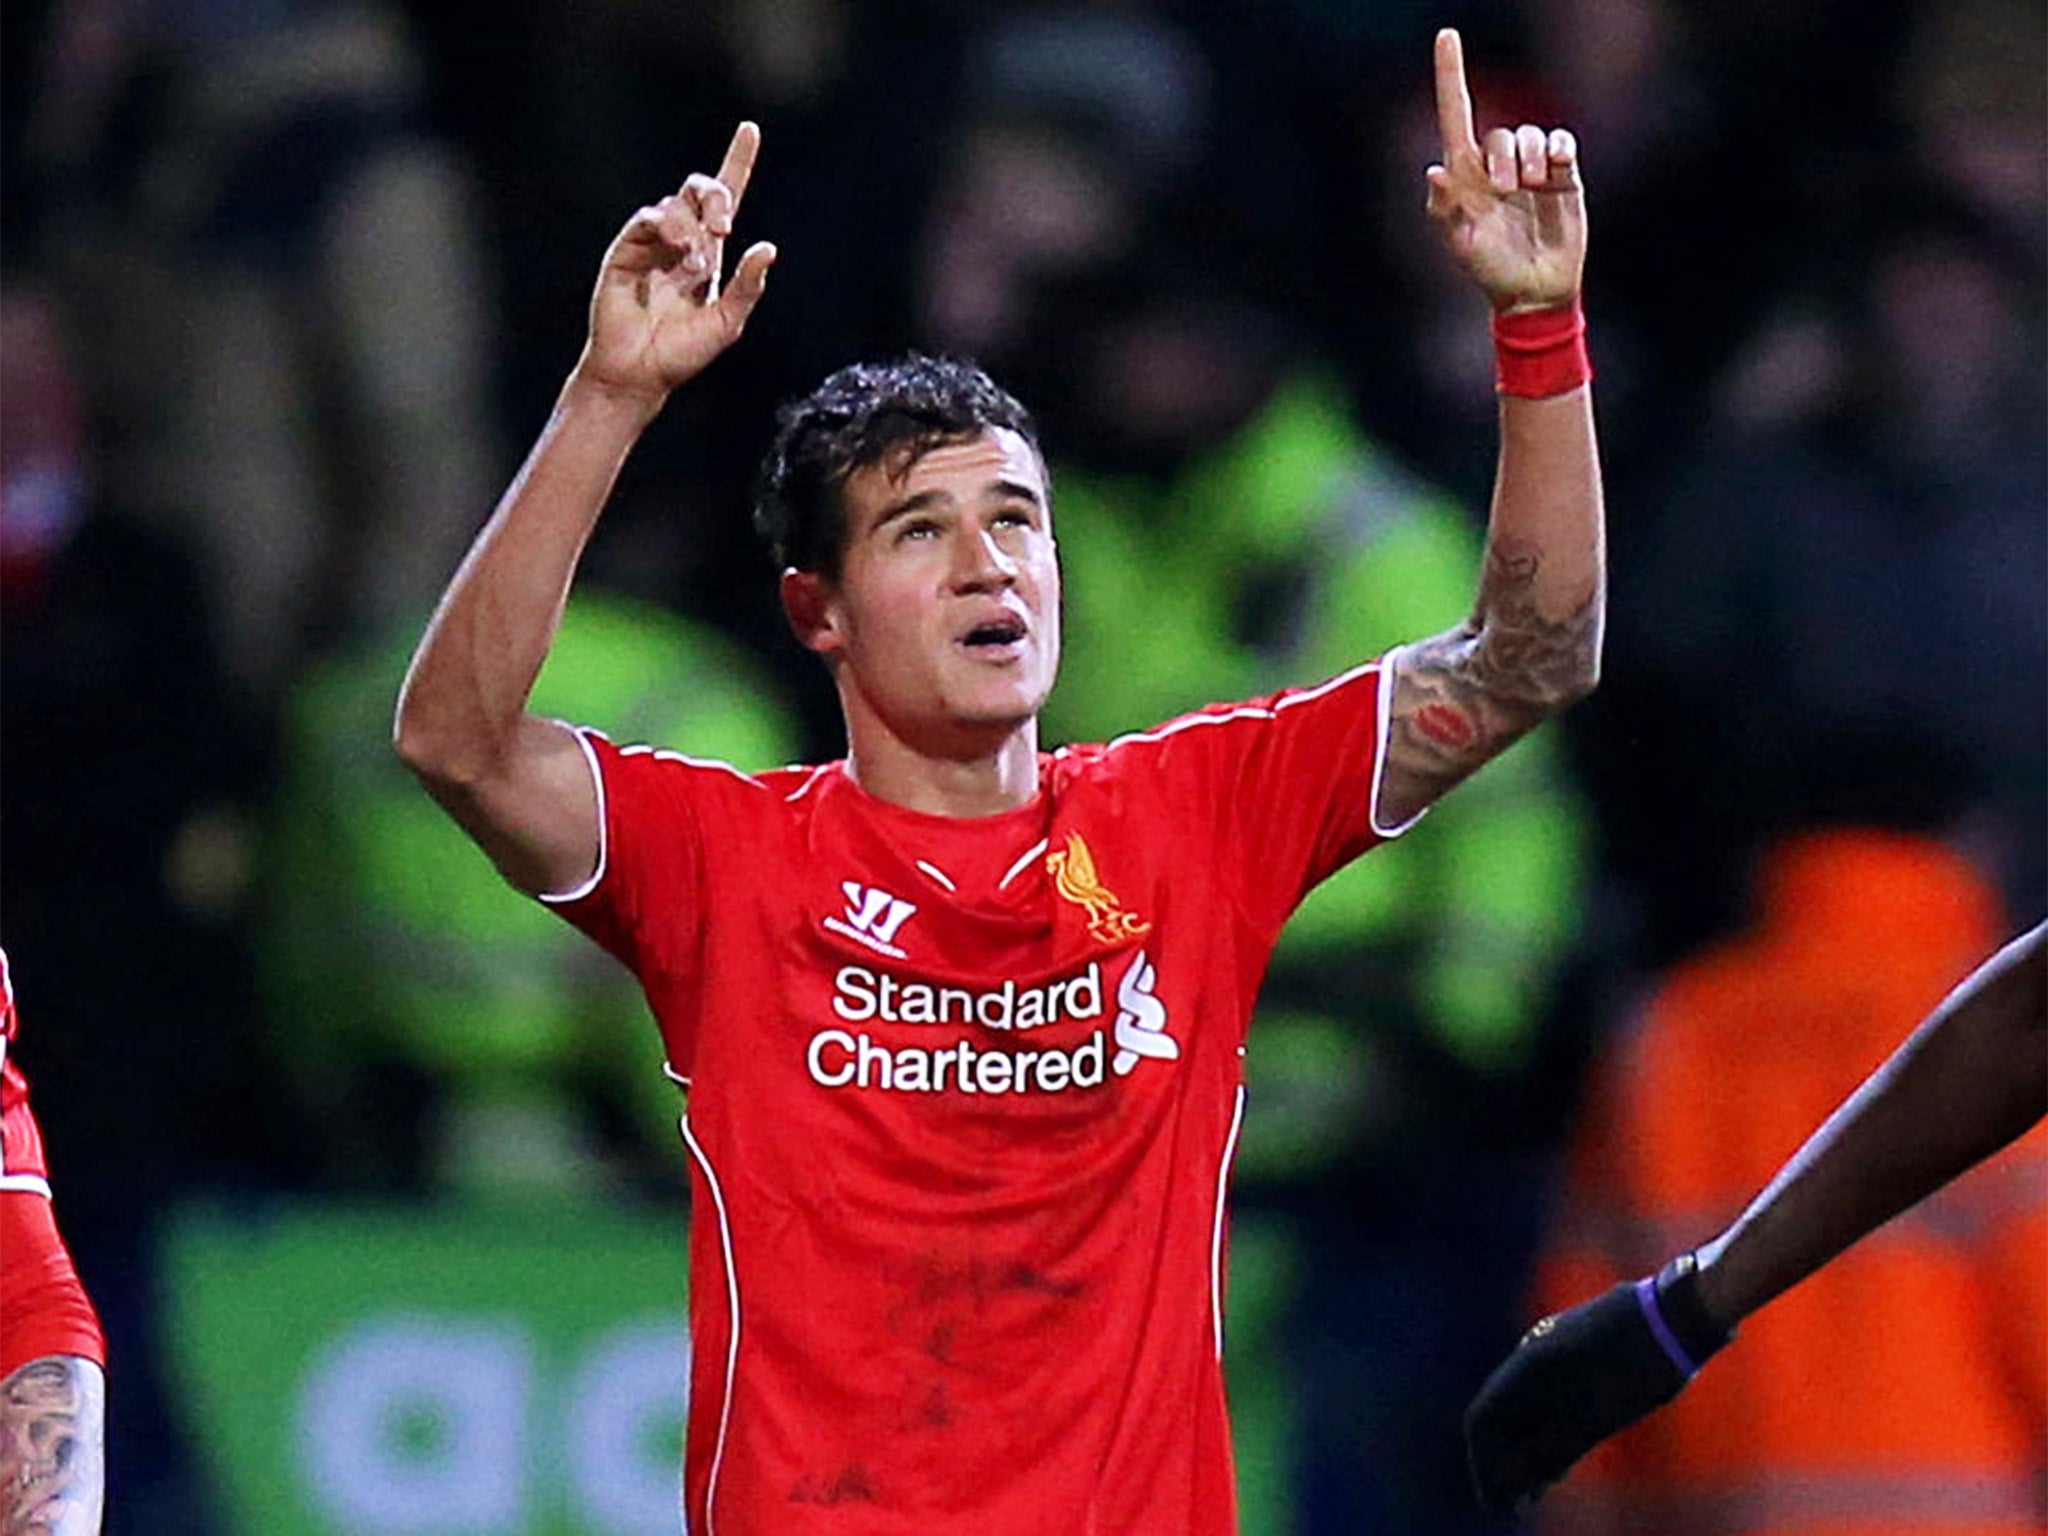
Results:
<point x="962" y="1101"/>
<point x="43" y="1308"/>
<point x="21" y="1140"/>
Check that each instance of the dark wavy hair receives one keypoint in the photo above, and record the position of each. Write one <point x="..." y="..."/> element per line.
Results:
<point x="866" y="414"/>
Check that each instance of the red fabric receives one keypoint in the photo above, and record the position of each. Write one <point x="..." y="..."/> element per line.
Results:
<point x="973" y="1307"/>
<point x="43" y="1308"/>
<point x="1541" y="352"/>
<point x="22" y="1165"/>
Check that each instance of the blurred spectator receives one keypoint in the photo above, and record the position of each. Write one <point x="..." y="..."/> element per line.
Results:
<point x="1855" y="544"/>
<point x="1901" y="1390"/>
<point x="291" y="270"/>
<point x="1975" y="97"/>
<point x="444" y="1033"/>
<point x="1086" y="124"/>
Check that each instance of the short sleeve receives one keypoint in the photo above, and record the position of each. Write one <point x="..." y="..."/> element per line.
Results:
<point x="1291" y="782"/>
<point x="643" y="899"/>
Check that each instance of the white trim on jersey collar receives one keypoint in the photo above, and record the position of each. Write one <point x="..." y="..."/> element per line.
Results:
<point x="1023" y="863"/>
<point x="810" y="779"/>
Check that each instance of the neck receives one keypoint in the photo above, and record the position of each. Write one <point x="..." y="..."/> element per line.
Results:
<point x="989" y="771"/>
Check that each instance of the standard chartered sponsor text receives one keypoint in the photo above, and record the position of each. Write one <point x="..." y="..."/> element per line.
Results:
<point x="839" y="1058"/>
<point x="859" y="994"/>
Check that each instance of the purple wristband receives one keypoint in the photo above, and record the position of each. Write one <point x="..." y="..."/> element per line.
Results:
<point x="1646" y="1299"/>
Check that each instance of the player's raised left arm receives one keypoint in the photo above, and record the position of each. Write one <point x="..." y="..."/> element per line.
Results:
<point x="1513" y="215"/>
<point x="660" y="314"/>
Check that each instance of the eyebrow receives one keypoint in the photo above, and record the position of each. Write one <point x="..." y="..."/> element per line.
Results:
<point x="924" y="501"/>
<point x="1017" y="490"/>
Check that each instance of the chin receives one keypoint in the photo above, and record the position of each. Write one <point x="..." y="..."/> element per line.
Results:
<point x="1007" y="712"/>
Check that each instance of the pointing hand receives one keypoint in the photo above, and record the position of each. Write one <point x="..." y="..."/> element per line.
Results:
<point x="659" y="315"/>
<point x="1510" y="206"/>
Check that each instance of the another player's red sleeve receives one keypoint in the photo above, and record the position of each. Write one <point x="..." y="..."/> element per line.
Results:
<point x="43" y="1308"/>
<point x="22" y="1166"/>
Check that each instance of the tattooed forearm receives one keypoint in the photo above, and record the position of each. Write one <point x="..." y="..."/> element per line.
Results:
<point x="1462" y="697"/>
<point x="52" y="1448"/>
<point x="1530" y="662"/>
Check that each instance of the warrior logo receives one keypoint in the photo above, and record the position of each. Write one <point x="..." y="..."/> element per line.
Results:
<point x="872" y="917"/>
<point x="1073" y="876"/>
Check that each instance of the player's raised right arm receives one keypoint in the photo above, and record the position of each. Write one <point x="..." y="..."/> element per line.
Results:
<point x="518" y="784"/>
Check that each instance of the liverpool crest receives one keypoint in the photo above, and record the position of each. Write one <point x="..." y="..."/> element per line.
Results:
<point x="1074" y="876"/>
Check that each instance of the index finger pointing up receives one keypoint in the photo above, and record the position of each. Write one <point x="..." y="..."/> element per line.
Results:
<point x="738" y="165"/>
<point x="1453" y="99"/>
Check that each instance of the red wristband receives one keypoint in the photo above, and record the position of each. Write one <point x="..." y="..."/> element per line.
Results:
<point x="1541" y="352"/>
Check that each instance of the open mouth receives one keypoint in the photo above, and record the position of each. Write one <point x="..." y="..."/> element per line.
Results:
<point x="995" y="638"/>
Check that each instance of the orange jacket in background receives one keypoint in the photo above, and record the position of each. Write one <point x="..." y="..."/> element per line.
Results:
<point x="1903" y="1389"/>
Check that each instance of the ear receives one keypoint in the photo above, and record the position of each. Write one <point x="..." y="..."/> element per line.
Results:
<point x="810" y="603"/>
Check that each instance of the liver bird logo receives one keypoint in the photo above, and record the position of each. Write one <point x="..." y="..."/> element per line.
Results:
<point x="1074" y="877"/>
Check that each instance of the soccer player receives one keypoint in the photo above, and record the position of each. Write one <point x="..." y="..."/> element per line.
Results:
<point x="53" y="1356"/>
<point x="1969" y="1081"/>
<point x="961" y="1022"/>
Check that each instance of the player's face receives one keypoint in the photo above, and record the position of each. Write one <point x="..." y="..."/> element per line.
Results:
<point x="944" y="620"/>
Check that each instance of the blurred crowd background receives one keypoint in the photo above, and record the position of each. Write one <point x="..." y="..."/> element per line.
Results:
<point x="287" y="286"/>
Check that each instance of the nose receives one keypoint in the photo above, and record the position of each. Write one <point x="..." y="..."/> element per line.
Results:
<point x="980" y="564"/>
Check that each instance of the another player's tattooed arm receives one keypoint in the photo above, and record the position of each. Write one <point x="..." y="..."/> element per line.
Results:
<point x="1462" y="697"/>
<point x="52" y="1448"/>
